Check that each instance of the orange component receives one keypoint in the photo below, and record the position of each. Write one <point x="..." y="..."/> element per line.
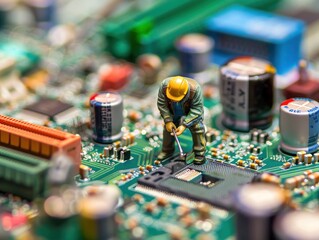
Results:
<point x="38" y="140"/>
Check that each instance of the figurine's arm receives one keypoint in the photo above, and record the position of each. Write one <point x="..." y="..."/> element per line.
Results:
<point x="162" y="106"/>
<point x="196" y="110"/>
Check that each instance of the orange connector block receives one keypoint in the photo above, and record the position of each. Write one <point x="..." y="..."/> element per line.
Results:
<point x="38" y="140"/>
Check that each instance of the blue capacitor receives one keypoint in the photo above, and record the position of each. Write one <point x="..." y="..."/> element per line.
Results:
<point x="194" y="51"/>
<point x="106" y="116"/>
<point x="44" y="12"/>
<point x="299" y="125"/>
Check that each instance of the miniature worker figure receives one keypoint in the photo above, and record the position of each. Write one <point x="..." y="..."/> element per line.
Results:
<point x="180" y="103"/>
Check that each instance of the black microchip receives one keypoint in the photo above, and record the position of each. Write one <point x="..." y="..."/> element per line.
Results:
<point x="224" y="179"/>
<point x="48" y="107"/>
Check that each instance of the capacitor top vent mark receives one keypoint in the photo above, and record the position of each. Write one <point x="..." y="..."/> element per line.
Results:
<point x="299" y="125"/>
<point x="247" y="93"/>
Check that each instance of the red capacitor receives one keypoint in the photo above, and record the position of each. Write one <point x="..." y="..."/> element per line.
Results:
<point x="114" y="76"/>
<point x="306" y="86"/>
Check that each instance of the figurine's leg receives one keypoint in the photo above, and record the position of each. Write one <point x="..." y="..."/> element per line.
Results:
<point x="167" y="146"/>
<point x="199" y="142"/>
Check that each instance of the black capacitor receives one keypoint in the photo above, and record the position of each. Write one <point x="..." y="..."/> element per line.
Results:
<point x="123" y="153"/>
<point x="256" y="206"/>
<point x="247" y="93"/>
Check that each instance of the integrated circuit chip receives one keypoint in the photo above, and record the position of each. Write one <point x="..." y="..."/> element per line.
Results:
<point x="212" y="182"/>
<point x="47" y="109"/>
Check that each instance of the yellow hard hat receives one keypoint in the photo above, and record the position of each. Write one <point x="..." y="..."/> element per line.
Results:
<point x="177" y="88"/>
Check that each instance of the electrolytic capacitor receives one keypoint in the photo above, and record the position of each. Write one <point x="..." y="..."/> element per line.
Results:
<point x="297" y="225"/>
<point x="299" y="125"/>
<point x="44" y="12"/>
<point x="97" y="212"/>
<point x="256" y="206"/>
<point x="106" y="116"/>
<point x="247" y="93"/>
<point x="194" y="52"/>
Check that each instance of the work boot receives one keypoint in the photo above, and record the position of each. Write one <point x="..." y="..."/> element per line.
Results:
<point x="163" y="155"/>
<point x="199" y="160"/>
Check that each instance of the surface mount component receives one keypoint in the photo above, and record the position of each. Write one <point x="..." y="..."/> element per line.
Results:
<point x="213" y="182"/>
<point x="46" y="109"/>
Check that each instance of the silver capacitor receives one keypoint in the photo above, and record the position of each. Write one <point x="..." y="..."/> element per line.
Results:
<point x="97" y="212"/>
<point x="106" y="116"/>
<point x="297" y="225"/>
<point x="299" y="125"/>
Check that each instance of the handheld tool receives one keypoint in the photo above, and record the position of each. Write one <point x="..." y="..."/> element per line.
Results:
<point x="182" y="155"/>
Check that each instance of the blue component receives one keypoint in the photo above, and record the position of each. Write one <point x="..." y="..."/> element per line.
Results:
<point x="241" y="31"/>
<point x="313" y="126"/>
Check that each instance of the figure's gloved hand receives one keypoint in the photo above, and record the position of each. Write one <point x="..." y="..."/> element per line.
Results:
<point x="180" y="130"/>
<point x="170" y="126"/>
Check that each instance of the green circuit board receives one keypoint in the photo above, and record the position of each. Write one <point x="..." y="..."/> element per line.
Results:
<point x="162" y="221"/>
<point x="157" y="200"/>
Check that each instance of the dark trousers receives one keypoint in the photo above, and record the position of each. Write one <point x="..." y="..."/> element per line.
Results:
<point x="198" y="135"/>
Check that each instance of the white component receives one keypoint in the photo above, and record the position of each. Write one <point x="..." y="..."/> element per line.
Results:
<point x="299" y="128"/>
<point x="11" y="88"/>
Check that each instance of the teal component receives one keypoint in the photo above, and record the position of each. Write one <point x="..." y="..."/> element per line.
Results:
<point x="26" y="60"/>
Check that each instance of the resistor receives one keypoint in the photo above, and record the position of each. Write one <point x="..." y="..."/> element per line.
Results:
<point x="259" y="162"/>
<point x="294" y="182"/>
<point x="286" y="165"/>
<point x="253" y="166"/>
<point x="241" y="163"/>
<point x="269" y="178"/>
<point x="314" y="178"/>
<point x="253" y="158"/>
<point x="307" y="173"/>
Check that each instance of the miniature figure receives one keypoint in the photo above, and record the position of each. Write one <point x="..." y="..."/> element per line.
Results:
<point x="180" y="102"/>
